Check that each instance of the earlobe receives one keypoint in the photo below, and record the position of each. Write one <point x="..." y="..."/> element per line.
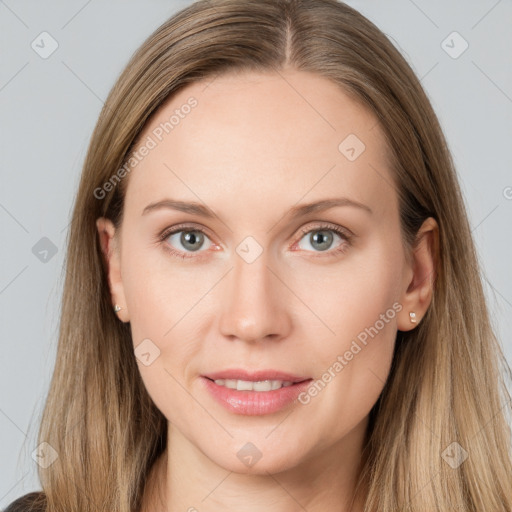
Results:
<point x="112" y="263"/>
<point x="419" y="288"/>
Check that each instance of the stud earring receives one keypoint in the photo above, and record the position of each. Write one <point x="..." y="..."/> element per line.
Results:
<point x="412" y="315"/>
<point x="117" y="308"/>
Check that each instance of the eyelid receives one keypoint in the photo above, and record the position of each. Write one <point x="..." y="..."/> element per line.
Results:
<point x="186" y="226"/>
<point x="323" y="225"/>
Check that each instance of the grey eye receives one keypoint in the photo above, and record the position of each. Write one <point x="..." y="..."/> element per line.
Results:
<point x="320" y="239"/>
<point x="189" y="240"/>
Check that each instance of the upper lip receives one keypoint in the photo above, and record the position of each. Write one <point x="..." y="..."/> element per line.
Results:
<point x="254" y="376"/>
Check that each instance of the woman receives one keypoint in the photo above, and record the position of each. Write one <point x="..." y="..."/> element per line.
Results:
<point x="269" y="205"/>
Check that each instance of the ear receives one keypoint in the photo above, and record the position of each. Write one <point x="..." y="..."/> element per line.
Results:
<point x="419" y="275"/>
<point x="112" y="258"/>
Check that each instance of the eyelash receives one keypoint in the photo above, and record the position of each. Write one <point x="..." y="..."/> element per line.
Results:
<point x="346" y="237"/>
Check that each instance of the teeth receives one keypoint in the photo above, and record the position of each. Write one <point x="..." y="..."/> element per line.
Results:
<point x="246" y="385"/>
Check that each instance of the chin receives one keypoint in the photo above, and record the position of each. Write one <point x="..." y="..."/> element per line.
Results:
<point x="248" y="459"/>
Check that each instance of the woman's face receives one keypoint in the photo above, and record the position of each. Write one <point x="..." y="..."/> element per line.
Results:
<point x="251" y="280"/>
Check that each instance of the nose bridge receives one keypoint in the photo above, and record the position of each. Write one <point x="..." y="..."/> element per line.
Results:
<point x="253" y="306"/>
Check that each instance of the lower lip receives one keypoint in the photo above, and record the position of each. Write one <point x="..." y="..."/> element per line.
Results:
<point x="253" y="403"/>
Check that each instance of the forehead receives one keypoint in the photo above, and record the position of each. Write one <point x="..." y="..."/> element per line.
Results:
<point x="277" y="136"/>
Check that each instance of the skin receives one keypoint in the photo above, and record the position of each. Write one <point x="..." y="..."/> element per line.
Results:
<point x="256" y="145"/>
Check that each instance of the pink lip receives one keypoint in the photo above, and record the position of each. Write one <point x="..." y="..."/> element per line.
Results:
<point x="252" y="403"/>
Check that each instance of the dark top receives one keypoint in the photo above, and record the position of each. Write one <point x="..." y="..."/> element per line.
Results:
<point x="31" y="502"/>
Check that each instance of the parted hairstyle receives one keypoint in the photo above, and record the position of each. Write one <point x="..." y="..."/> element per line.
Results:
<point x="448" y="379"/>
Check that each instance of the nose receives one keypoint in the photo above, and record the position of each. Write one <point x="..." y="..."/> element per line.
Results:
<point x="254" y="302"/>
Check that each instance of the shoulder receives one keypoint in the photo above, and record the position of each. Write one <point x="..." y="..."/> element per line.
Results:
<point x="31" y="502"/>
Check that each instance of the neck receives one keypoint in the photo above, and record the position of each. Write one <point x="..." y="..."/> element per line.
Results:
<point x="190" y="481"/>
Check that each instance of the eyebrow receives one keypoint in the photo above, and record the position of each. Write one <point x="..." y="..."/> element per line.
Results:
<point x="296" y="211"/>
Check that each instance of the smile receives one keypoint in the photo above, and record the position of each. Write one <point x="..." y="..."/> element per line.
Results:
<point x="246" y="385"/>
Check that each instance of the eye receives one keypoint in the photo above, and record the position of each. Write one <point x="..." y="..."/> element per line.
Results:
<point x="181" y="242"/>
<point x="321" y="239"/>
<point x="184" y="240"/>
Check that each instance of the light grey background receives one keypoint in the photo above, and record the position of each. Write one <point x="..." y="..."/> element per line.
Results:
<point x="49" y="108"/>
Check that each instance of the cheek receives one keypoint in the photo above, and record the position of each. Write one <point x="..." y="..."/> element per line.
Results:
<point x="354" y="295"/>
<point x="351" y="370"/>
<point x="161" y="306"/>
<point x="166" y="377"/>
<point x="158" y="291"/>
<point x="360" y="305"/>
<point x="371" y="309"/>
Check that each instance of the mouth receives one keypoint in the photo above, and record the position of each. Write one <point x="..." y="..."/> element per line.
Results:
<point x="260" y="380"/>
<point x="257" y="392"/>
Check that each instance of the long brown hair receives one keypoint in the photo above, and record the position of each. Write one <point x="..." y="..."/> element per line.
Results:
<point x="447" y="380"/>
